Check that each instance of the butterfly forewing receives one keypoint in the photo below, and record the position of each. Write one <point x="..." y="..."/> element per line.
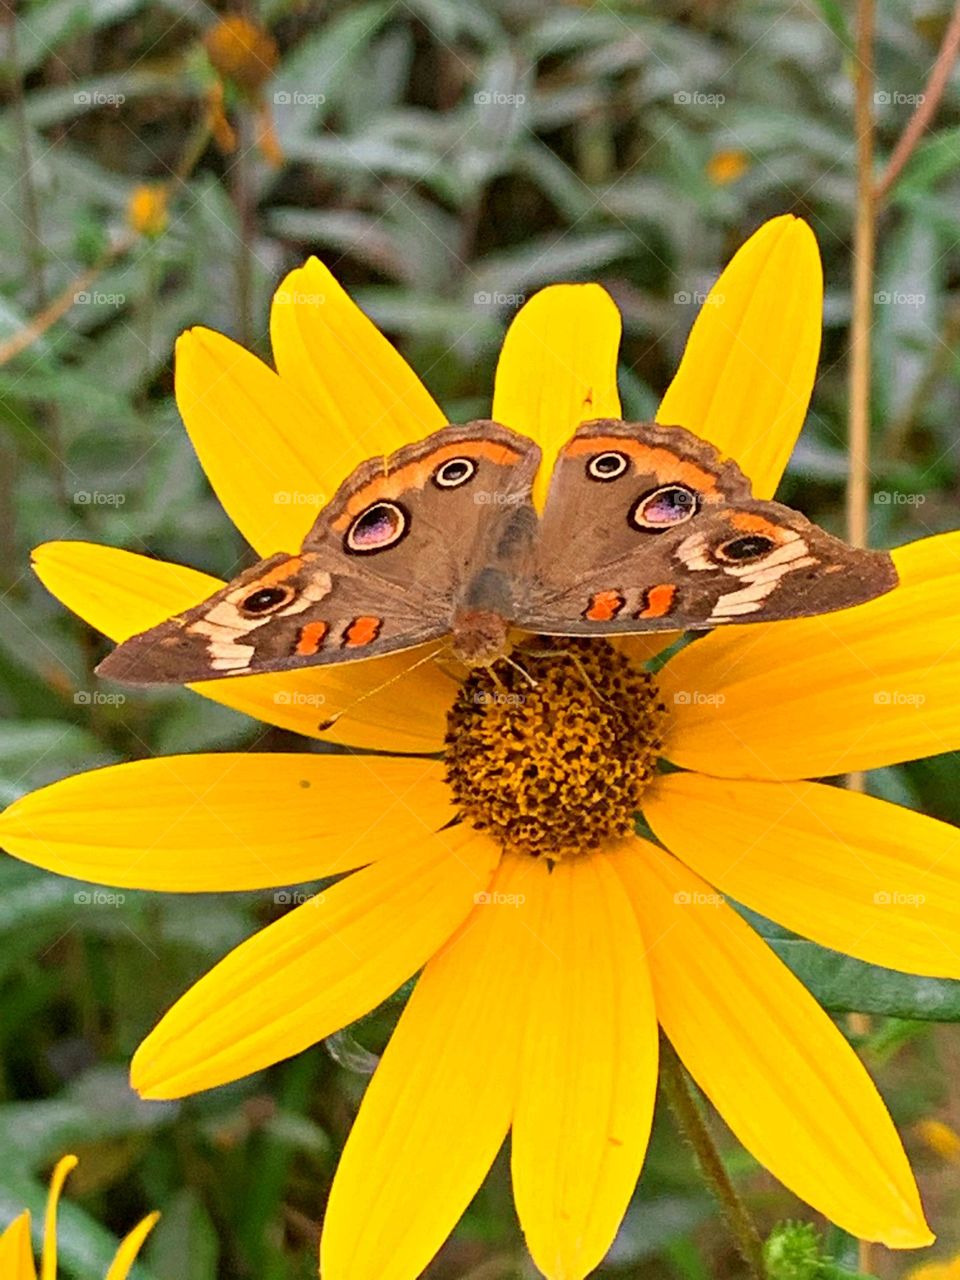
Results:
<point x="384" y="567"/>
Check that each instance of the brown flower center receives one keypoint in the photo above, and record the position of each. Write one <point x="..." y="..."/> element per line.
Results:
<point x="552" y="758"/>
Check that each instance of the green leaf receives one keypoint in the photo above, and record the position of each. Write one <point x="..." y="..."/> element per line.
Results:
<point x="184" y="1244"/>
<point x="933" y="159"/>
<point x="97" y="1106"/>
<point x="844" y="985"/>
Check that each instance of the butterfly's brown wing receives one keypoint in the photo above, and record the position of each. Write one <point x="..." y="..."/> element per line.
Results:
<point x="382" y="569"/>
<point x="647" y="528"/>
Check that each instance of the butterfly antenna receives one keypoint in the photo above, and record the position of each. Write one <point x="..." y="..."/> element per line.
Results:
<point x="429" y="657"/>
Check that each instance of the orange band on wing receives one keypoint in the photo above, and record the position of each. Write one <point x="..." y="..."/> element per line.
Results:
<point x="748" y="522"/>
<point x="658" y="600"/>
<point x="361" y="631"/>
<point x="310" y="639"/>
<point x="414" y="475"/>
<point x="604" y="606"/>
<point x="647" y="459"/>
<point x="280" y="573"/>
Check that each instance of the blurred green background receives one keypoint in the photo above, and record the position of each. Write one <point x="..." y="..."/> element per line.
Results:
<point x="446" y="158"/>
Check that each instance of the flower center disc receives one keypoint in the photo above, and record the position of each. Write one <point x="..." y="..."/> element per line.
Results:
<point x="552" y="758"/>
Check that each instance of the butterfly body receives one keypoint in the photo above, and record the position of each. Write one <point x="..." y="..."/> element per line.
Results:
<point x="645" y="528"/>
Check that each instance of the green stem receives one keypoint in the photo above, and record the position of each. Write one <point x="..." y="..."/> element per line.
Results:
<point x="693" y="1126"/>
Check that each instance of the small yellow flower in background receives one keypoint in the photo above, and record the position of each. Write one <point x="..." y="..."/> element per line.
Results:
<point x="244" y="56"/>
<point x="541" y="990"/>
<point x="941" y="1138"/>
<point x="936" y="1270"/>
<point x="242" y="52"/>
<point x="147" y="209"/>
<point x="16" y="1248"/>
<point x="727" y="166"/>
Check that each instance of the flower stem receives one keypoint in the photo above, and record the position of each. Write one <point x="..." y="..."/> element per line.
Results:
<point x="693" y="1126"/>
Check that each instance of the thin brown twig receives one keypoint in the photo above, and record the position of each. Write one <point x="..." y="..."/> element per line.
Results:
<point x="926" y="107"/>
<point x="61" y="304"/>
<point x="864" y="252"/>
<point x="864" y="255"/>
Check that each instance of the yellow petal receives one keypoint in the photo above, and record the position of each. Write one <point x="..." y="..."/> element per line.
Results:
<point x="48" y="1261"/>
<point x="813" y="697"/>
<point x="558" y="368"/>
<point x="745" y="379"/>
<point x="763" y="1051"/>
<point x="209" y="823"/>
<point x="121" y="593"/>
<point x="130" y="1246"/>
<point x="853" y="873"/>
<point x="16" y="1250"/>
<point x="364" y="398"/>
<point x="322" y="966"/>
<point x="588" y="1075"/>
<point x="438" y="1107"/>
<point x="258" y="441"/>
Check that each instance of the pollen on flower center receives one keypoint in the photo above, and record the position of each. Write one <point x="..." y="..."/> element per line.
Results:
<point x="551" y="755"/>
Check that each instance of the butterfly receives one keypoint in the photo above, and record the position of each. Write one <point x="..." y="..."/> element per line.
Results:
<point x="645" y="528"/>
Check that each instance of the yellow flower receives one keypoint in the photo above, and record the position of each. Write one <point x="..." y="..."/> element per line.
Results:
<point x="725" y="167"/>
<point x="242" y="52"/>
<point x="147" y="209"/>
<point x="941" y="1138"/>
<point x="541" y="991"/>
<point x="16" y="1250"/>
<point x="244" y="56"/>
<point x="936" y="1270"/>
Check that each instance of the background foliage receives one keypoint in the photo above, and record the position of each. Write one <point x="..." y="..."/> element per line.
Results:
<point x="446" y="158"/>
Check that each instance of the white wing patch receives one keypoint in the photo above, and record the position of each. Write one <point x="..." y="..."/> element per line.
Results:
<point x="225" y="627"/>
<point x="760" y="578"/>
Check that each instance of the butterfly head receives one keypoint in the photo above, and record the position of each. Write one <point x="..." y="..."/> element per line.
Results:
<point x="480" y="637"/>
